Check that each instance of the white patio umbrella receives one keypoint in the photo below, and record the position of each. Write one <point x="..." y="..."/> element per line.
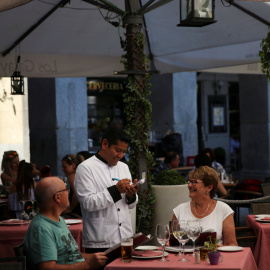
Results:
<point x="76" y="40"/>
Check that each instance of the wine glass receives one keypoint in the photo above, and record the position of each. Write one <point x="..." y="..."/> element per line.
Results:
<point x="24" y="215"/>
<point x="183" y="238"/>
<point x="33" y="213"/>
<point x="176" y="234"/>
<point x="194" y="232"/>
<point x="163" y="236"/>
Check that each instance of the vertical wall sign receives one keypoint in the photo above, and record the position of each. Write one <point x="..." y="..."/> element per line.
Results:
<point x="217" y="111"/>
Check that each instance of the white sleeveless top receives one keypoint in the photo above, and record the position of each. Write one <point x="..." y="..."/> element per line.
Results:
<point x="212" y="222"/>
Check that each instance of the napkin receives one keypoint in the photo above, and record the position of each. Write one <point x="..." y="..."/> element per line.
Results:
<point x="204" y="236"/>
<point x="147" y="253"/>
<point x="266" y="218"/>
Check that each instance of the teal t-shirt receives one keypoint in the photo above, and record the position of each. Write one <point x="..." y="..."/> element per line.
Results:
<point x="48" y="240"/>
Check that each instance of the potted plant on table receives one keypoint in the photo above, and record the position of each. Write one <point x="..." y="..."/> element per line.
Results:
<point x="213" y="254"/>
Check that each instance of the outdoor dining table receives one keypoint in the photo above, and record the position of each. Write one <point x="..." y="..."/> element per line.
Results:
<point x="13" y="235"/>
<point x="241" y="260"/>
<point x="262" y="250"/>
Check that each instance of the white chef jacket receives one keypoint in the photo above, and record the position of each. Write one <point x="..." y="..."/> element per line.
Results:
<point x="105" y="212"/>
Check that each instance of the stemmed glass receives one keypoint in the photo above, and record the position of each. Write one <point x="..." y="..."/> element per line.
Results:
<point x="194" y="232"/>
<point x="176" y="234"/>
<point x="163" y="236"/>
<point x="24" y="215"/>
<point x="183" y="229"/>
<point x="33" y="213"/>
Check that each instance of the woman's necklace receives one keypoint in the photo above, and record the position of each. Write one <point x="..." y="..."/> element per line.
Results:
<point x="204" y="212"/>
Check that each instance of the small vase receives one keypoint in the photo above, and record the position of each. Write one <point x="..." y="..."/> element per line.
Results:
<point x="213" y="257"/>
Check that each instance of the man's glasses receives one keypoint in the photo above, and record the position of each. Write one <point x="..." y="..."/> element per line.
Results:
<point x="194" y="182"/>
<point x="61" y="191"/>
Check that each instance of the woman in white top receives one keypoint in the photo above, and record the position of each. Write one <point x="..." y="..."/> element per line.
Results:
<point x="213" y="215"/>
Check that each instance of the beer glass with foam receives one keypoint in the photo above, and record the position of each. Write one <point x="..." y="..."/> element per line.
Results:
<point x="126" y="249"/>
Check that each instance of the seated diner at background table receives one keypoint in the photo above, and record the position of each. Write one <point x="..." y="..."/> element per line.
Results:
<point x="171" y="161"/>
<point x="204" y="160"/>
<point x="10" y="163"/>
<point x="45" y="171"/>
<point x="48" y="243"/>
<point x="214" y="216"/>
<point x="23" y="190"/>
<point x="215" y="165"/>
<point x="69" y="165"/>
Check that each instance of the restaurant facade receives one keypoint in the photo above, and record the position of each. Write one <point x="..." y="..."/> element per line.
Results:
<point x="68" y="115"/>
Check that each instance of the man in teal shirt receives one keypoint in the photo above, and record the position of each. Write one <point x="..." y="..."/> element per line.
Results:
<point x="48" y="242"/>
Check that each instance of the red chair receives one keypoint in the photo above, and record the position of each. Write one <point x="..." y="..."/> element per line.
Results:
<point x="190" y="160"/>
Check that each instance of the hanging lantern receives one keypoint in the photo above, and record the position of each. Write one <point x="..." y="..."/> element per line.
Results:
<point x="197" y="13"/>
<point x="17" y="84"/>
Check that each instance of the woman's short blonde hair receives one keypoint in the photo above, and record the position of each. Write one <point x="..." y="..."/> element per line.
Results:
<point x="208" y="175"/>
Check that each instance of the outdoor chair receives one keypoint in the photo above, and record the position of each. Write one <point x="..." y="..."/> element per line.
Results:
<point x="259" y="208"/>
<point x="250" y="189"/>
<point x="246" y="237"/>
<point x="19" y="252"/>
<point x="13" y="263"/>
<point x="267" y="179"/>
<point x="266" y="189"/>
<point x="190" y="161"/>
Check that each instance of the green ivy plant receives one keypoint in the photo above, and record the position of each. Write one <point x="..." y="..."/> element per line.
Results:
<point x="138" y="115"/>
<point x="170" y="177"/>
<point x="265" y="55"/>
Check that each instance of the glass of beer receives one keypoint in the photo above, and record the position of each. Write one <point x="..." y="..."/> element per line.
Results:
<point x="126" y="249"/>
<point x="203" y="253"/>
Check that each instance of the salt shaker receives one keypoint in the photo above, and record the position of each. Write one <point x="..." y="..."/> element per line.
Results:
<point x="197" y="256"/>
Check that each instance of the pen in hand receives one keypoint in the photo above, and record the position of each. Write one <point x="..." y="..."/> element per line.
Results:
<point x="116" y="179"/>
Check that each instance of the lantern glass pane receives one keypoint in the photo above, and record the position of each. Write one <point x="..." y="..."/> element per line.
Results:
<point x="186" y="9"/>
<point x="203" y="9"/>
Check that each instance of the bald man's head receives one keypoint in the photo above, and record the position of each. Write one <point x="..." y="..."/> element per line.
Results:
<point x="47" y="188"/>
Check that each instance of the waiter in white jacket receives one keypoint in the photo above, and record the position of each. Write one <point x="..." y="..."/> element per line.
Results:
<point x="105" y="192"/>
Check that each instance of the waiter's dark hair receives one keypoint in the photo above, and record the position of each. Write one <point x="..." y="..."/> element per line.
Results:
<point x="112" y="135"/>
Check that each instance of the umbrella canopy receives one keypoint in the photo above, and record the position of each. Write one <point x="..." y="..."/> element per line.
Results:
<point x="76" y="40"/>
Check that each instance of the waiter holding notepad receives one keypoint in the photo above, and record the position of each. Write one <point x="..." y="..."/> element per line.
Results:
<point x="105" y="192"/>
